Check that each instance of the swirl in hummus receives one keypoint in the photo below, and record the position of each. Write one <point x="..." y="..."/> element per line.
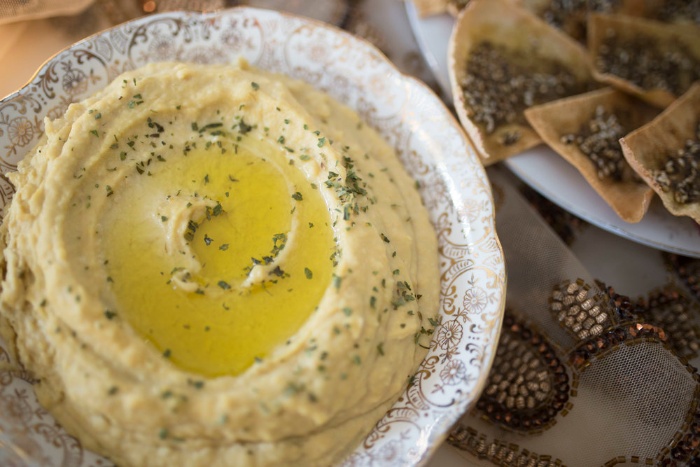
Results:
<point x="215" y="265"/>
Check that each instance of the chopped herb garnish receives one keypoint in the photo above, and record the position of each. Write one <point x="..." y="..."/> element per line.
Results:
<point x="255" y="85"/>
<point x="308" y="273"/>
<point x="192" y="227"/>
<point x="243" y="128"/>
<point x="217" y="210"/>
<point x="277" y="271"/>
<point x="208" y="126"/>
<point x="198" y="384"/>
<point x="137" y="100"/>
<point x="277" y="247"/>
<point x="110" y="314"/>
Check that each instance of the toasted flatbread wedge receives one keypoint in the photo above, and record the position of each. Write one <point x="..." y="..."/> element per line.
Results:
<point x="585" y="130"/>
<point x="430" y="7"/>
<point x="670" y="11"/>
<point x="454" y="7"/>
<point x="503" y="59"/>
<point x="654" y="148"/>
<point x="655" y="61"/>
<point x="570" y="17"/>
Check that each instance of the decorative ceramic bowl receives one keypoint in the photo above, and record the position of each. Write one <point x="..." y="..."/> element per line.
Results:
<point x="410" y="117"/>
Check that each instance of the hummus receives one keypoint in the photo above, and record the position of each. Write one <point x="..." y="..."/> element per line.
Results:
<point x="215" y="265"/>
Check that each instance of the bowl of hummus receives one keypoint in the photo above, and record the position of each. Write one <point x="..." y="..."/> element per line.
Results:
<point x="238" y="238"/>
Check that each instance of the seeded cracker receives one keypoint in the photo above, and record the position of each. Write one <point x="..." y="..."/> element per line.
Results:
<point x="502" y="60"/>
<point x="585" y="130"/>
<point x="671" y="143"/>
<point x="654" y="61"/>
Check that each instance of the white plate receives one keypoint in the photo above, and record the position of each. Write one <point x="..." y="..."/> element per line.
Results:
<point x="428" y="139"/>
<point x="552" y="176"/>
